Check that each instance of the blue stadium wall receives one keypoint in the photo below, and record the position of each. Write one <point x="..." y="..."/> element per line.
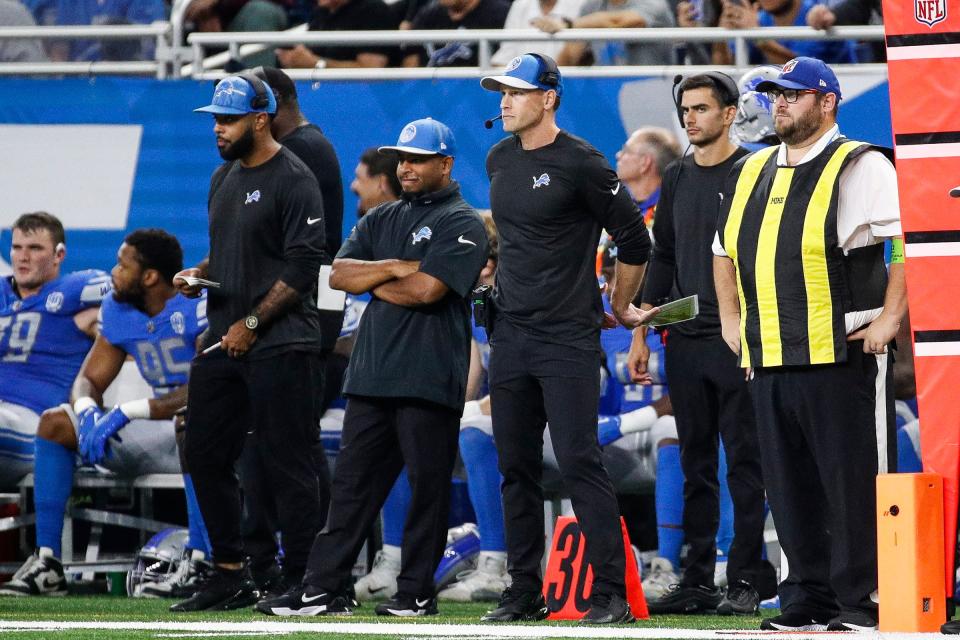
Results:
<point x="173" y="149"/>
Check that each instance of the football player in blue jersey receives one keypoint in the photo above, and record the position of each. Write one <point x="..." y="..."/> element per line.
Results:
<point x="47" y="324"/>
<point x="147" y="319"/>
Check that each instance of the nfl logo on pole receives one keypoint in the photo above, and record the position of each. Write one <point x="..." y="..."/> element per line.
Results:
<point x="930" y="12"/>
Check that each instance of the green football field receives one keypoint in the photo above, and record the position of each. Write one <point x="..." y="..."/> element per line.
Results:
<point x="118" y="618"/>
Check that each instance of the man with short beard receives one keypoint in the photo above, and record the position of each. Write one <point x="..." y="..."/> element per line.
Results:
<point x="807" y="303"/>
<point x="709" y="395"/>
<point x="266" y="247"/>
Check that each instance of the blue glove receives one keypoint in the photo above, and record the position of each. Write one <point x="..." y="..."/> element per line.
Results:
<point x="106" y="428"/>
<point x="87" y="425"/>
<point x="608" y="429"/>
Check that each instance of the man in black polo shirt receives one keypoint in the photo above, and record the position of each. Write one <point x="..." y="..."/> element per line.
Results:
<point x="266" y="248"/>
<point x="344" y="15"/>
<point x="418" y="257"/>
<point x="551" y="194"/>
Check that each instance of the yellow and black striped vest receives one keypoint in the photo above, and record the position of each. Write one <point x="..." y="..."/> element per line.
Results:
<point x="794" y="282"/>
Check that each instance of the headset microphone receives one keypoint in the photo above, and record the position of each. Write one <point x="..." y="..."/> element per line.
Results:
<point x="489" y="123"/>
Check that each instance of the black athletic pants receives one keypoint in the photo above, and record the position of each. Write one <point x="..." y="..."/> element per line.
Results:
<point x="711" y="400"/>
<point x="278" y="398"/>
<point x="826" y="431"/>
<point x="380" y="436"/>
<point x="533" y="383"/>
<point x="259" y="523"/>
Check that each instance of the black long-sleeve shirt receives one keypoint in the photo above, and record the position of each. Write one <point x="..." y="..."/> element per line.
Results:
<point x="266" y="224"/>
<point x="311" y="146"/>
<point x="550" y="205"/>
<point x="683" y="229"/>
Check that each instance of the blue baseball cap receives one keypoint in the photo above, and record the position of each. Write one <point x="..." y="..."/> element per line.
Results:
<point x="425" y="137"/>
<point x="804" y="73"/>
<point x="236" y="96"/>
<point x="526" y="72"/>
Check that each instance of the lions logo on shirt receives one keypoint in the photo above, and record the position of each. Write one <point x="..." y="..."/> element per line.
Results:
<point x="424" y="234"/>
<point x="542" y="181"/>
<point x="177" y="323"/>
<point x="54" y="301"/>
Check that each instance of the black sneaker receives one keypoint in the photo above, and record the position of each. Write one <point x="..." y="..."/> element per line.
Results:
<point x="853" y="621"/>
<point x="39" y="576"/>
<point x="686" y="599"/>
<point x="226" y="589"/>
<point x="516" y="606"/>
<point x="407" y="606"/>
<point x="951" y="628"/>
<point x="606" y="608"/>
<point x="792" y="622"/>
<point x="270" y="579"/>
<point x="306" y="600"/>
<point x="740" y="599"/>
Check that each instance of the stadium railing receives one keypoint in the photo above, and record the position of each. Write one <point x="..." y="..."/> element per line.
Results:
<point x="174" y="59"/>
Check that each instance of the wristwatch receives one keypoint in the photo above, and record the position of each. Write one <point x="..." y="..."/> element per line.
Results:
<point x="251" y="322"/>
<point x="321" y="64"/>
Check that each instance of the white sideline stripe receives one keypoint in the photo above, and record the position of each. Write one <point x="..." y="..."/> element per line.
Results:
<point x="445" y="630"/>
<point x="912" y="151"/>
<point x="924" y="51"/>
<point x="931" y="249"/>
<point x="936" y="349"/>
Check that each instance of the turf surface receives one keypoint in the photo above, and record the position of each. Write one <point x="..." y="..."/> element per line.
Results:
<point x="109" y="609"/>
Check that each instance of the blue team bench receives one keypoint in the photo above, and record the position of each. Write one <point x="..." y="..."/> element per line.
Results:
<point x="137" y="492"/>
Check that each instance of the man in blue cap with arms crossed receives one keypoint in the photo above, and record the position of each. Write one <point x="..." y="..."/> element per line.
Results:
<point x="418" y="257"/>
<point x="551" y="194"/>
<point x="266" y="248"/>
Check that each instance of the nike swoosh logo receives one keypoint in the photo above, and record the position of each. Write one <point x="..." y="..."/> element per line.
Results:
<point x="616" y="190"/>
<point x="313" y="220"/>
<point x="425" y="602"/>
<point x="463" y="240"/>
<point x="305" y="599"/>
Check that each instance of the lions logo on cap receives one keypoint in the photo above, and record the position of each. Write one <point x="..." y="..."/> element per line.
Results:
<point x="177" y="322"/>
<point x="514" y="64"/>
<point x="787" y="68"/>
<point x="409" y="133"/>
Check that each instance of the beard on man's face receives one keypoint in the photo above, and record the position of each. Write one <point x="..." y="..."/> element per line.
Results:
<point x="239" y="147"/>
<point x="801" y="127"/>
<point x="132" y="295"/>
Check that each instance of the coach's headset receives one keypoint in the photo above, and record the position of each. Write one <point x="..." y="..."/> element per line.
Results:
<point x="729" y="97"/>
<point x="550" y="73"/>
<point x="259" y="99"/>
<point x="727" y="89"/>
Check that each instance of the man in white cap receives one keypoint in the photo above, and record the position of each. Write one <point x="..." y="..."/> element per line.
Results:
<point x="418" y="257"/>
<point x="551" y="194"/>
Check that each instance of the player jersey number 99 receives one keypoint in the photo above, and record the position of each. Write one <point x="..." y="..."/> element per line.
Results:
<point x="157" y="364"/>
<point x="23" y="334"/>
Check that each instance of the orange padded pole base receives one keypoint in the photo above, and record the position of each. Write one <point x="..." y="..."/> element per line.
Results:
<point x="910" y="552"/>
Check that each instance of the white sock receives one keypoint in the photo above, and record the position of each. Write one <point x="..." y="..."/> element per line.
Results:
<point x="196" y="555"/>
<point x="638" y="420"/>
<point x="391" y="552"/>
<point x="45" y="552"/>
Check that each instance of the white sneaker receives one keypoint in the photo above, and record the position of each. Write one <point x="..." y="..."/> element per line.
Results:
<point x="381" y="582"/>
<point x="181" y="583"/>
<point x="465" y="529"/>
<point x="485" y="583"/>
<point x="39" y="576"/>
<point x="660" y="578"/>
